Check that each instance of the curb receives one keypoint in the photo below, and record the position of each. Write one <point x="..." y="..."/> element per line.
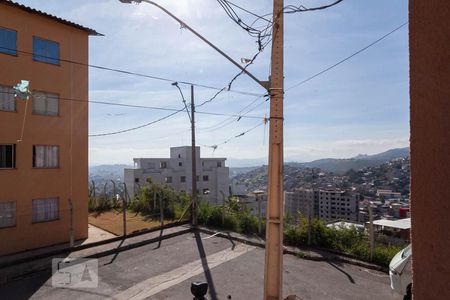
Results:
<point x="300" y="254"/>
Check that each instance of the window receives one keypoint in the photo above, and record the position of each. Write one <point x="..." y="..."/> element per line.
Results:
<point x="219" y="164"/>
<point x="8" y="41"/>
<point x="183" y="179"/>
<point x="179" y="155"/>
<point x="45" y="156"/>
<point x="180" y="164"/>
<point x="7" y="156"/>
<point x="205" y="178"/>
<point x="45" y="104"/>
<point x="45" y="210"/>
<point x="163" y="165"/>
<point x="168" y="179"/>
<point x="205" y="191"/>
<point x="198" y="178"/>
<point x="136" y="180"/>
<point x="7" y="214"/>
<point x="7" y="99"/>
<point x="45" y="51"/>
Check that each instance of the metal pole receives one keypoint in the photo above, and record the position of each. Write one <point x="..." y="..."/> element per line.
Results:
<point x="273" y="277"/>
<point x="72" y="238"/>
<point x="372" y="240"/>
<point x="124" y="213"/>
<point x="194" y="163"/>
<point x="259" y="213"/>
<point x="161" y="209"/>
<point x="309" y="220"/>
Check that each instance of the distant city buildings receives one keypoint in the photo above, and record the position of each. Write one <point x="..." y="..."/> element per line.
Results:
<point x="43" y="140"/>
<point x="213" y="183"/>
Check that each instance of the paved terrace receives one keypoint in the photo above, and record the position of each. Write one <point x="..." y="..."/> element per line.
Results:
<point x="164" y="270"/>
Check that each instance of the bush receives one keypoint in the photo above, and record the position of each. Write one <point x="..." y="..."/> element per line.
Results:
<point x="147" y="202"/>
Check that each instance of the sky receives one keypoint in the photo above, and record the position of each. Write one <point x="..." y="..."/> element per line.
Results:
<point x="358" y="107"/>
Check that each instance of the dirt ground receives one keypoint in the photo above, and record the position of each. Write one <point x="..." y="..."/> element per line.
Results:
<point x="112" y="221"/>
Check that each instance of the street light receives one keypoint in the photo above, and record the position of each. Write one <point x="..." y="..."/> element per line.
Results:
<point x="264" y="84"/>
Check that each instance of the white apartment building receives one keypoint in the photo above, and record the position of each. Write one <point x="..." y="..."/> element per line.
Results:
<point x="176" y="171"/>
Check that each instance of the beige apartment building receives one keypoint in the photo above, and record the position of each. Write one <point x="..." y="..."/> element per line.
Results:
<point x="43" y="140"/>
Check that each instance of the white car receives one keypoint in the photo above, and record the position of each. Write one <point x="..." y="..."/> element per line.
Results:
<point x="400" y="273"/>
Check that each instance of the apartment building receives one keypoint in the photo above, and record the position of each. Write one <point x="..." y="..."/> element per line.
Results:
<point x="43" y="140"/>
<point x="338" y="205"/>
<point x="213" y="183"/>
<point x="327" y="205"/>
<point x="301" y="201"/>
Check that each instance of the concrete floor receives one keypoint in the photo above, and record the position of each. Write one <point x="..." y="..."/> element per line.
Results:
<point x="165" y="271"/>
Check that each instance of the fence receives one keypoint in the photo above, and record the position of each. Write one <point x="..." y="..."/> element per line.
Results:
<point x="154" y="205"/>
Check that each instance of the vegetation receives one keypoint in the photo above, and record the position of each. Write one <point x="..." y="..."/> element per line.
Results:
<point x="341" y="239"/>
<point x="146" y="202"/>
<point x="229" y="216"/>
<point x="345" y="240"/>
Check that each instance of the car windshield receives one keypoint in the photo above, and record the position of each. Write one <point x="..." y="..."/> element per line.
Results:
<point x="406" y="251"/>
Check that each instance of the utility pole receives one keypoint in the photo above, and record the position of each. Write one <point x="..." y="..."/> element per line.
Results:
<point x="273" y="276"/>
<point x="194" y="163"/>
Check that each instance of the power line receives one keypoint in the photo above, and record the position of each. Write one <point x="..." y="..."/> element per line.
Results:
<point x="150" y="107"/>
<point x="236" y="136"/>
<point x="348" y="57"/>
<point x="236" y="118"/>
<point x="137" y="127"/>
<point x="290" y="9"/>
<point x="135" y="73"/>
<point x="247" y="11"/>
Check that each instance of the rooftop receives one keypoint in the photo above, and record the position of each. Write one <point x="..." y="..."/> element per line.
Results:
<point x="398" y="224"/>
<point x="58" y="19"/>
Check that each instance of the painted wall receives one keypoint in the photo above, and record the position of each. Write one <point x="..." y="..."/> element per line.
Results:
<point x="24" y="183"/>
<point x="430" y="147"/>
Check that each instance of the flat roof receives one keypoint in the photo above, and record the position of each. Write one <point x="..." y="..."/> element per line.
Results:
<point x="58" y="19"/>
<point x="399" y="224"/>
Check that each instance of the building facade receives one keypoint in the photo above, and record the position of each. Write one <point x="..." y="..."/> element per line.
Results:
<point x="327" y="205"/>
<point x="338" y="205"/>
<point x="301" y="200"/>
<point x="213" y="183"/>
<point x="43" y="140"/>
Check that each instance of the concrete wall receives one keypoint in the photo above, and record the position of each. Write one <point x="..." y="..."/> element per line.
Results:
<point x="25" y="183"/>
<point x="429" y="40"/>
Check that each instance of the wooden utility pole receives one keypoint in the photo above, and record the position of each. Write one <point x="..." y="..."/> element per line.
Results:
<point x="194" y="163"/>
<point x="273" y="276"/>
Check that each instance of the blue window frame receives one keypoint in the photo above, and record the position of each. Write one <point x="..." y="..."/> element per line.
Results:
<point x="45" y="51"/>
<point x="8" y="41"/>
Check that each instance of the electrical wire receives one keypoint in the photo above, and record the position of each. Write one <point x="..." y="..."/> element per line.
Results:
<point x="290" y="9"/>
<point x="236" y="136"/>
<point x="148" y="107"/>
<point x="237" y="117"/>
<point x="137" y="127"/>
<point x="135" y="73"/>
<point x="348" y="57"/>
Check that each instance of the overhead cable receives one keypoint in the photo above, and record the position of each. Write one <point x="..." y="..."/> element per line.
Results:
<point x="348" y="57"/>
<point x="136" y="74"/>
